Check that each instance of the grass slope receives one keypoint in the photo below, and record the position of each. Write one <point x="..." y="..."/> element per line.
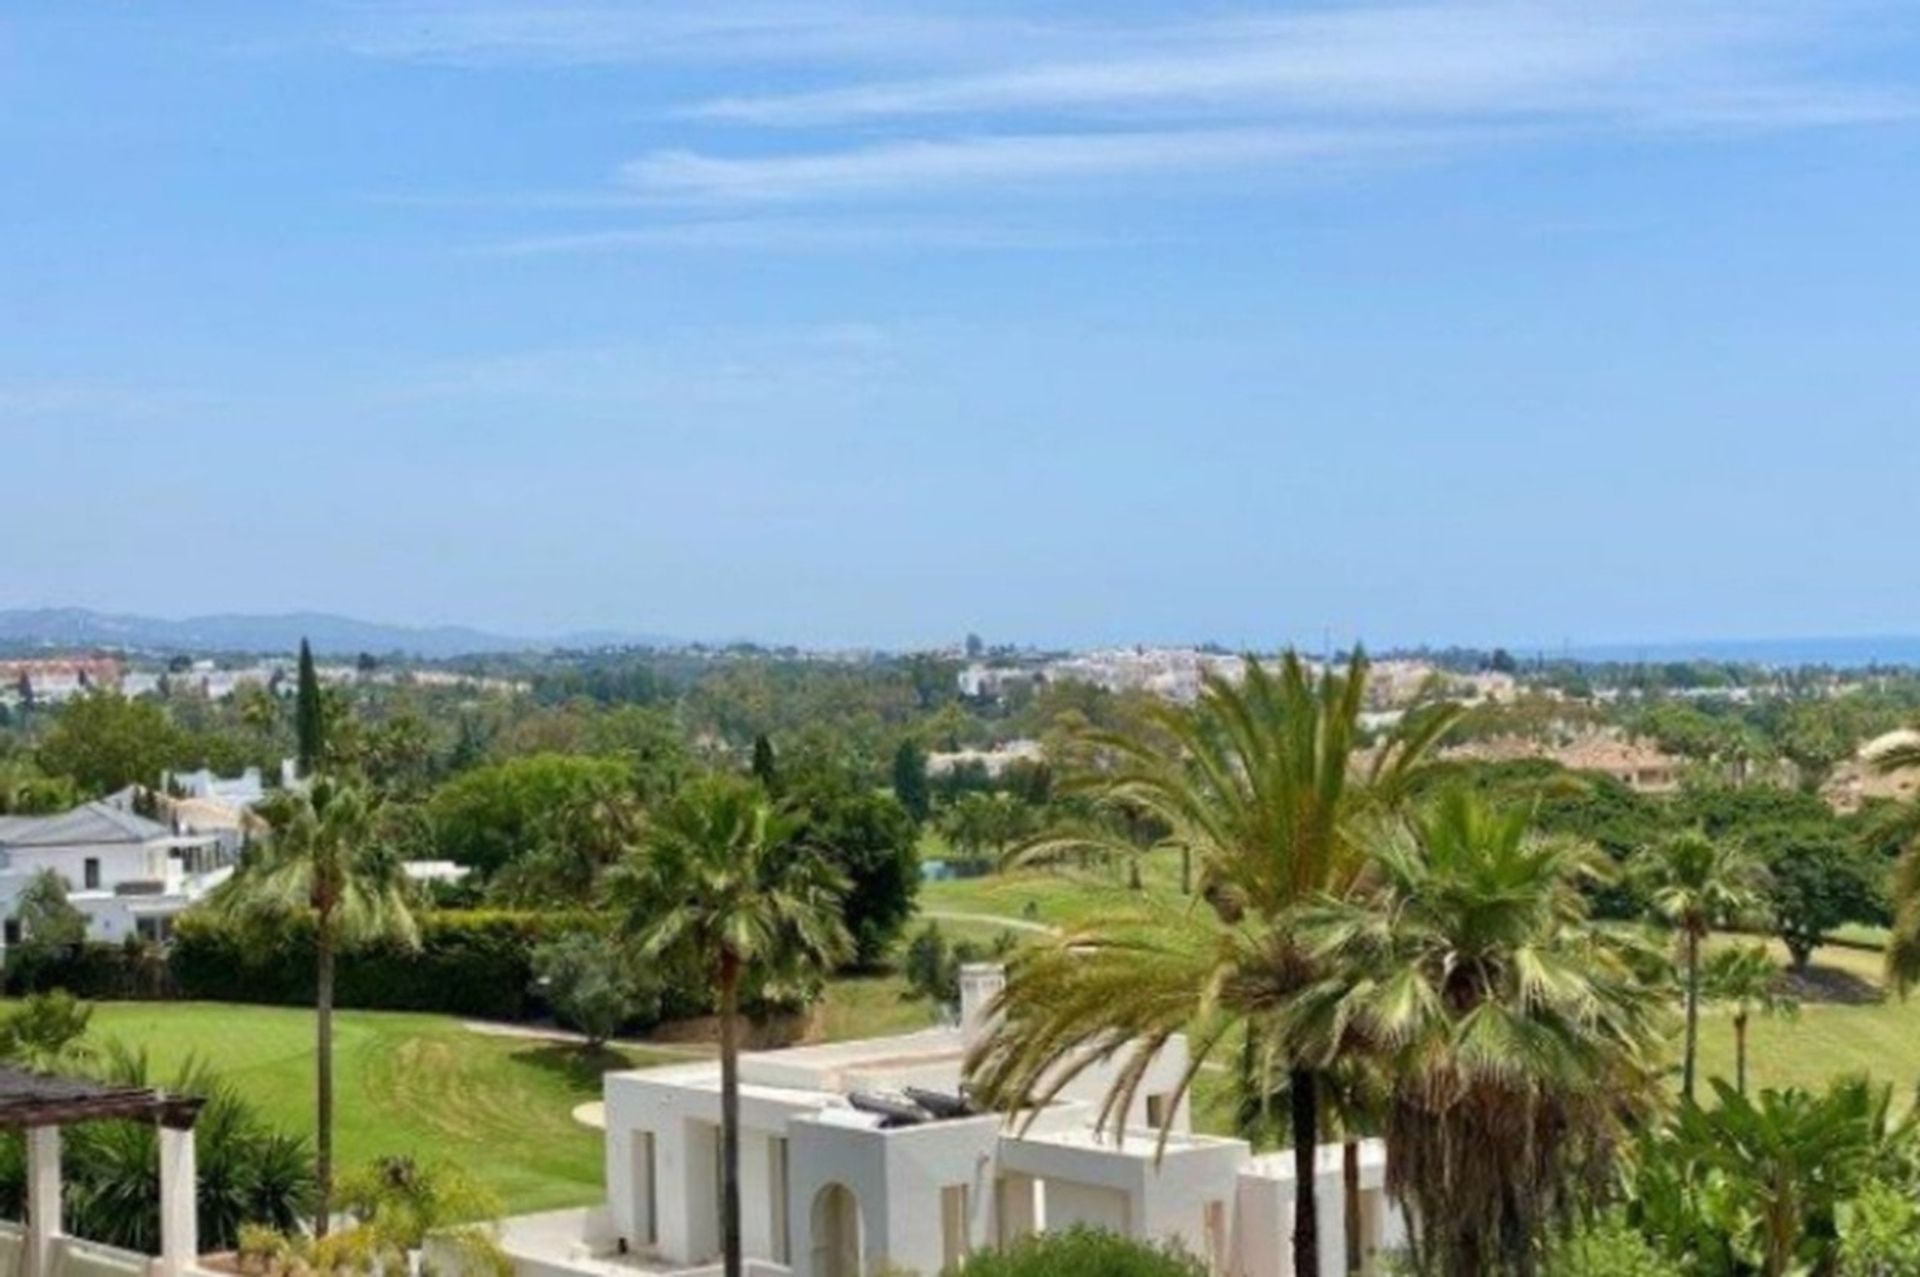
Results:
<point x="406" y="1084"/>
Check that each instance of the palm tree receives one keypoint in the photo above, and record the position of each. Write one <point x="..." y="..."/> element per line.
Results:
<point x="1696" y="884"/>
<point x="1517" y="1039"/>
<point x="327" y="862"/>
<point x="1262" y="784"/>
<point x="1745" y="978"/>
<point x="718" y="882"/>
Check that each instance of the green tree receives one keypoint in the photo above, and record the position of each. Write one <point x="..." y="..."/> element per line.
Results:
<point x="309" y="715"/>
<point x="489" y="817"/>
<point x="593" y="983"/>
<point x="1258" y="783"/>
<point x="1518" y="1041"/>
<point x="328" y="861"/>
<point x="983" y="826"/>
<point x="1695" y="884"/>
<point x="718" y="884"/>
<point x="1818" y="880"/>
<point x="910" y="780"/>
<point x="868" y="838"/>
<point x="1745" y="980"/>
<point x="49" y="924"/>
<point x="107" y="742"/>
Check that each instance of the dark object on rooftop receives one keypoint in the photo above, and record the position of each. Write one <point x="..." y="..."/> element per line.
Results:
<point x="893" y="1112"/>
<point x="942" y="1106"/>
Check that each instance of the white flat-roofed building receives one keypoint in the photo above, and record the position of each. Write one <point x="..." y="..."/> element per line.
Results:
<point x="861" y="1157"/>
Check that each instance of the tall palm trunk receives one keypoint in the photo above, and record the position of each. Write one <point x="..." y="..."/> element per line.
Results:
<point x="1303" y="1103"/>
<point x="729" y="1116"/>
<point x="1740" y="1051"/>
<point x="1693" y="1012"/>
<point x="1350" y="1184"/>
<point x="323" y="1117"/>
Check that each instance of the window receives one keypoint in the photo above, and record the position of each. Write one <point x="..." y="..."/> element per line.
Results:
<point x="777" y="1189"/>
<point x="13" y="932"/>
<point x="954" y="1245"/>
<point x="91" y="870"/>
<point x="1157" y="1111"/>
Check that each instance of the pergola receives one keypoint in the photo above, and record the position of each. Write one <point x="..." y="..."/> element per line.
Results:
<point x="40" y="1104"/>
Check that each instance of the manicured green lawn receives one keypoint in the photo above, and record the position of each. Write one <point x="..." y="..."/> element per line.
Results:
<point x="407" y="1084"/>
<point x="1858" y="1028"/>
<point x="1062" y="897"/>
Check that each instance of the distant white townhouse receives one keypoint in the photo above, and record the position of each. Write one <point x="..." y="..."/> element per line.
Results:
<point x="244" y="790"/>
<point x="858" y="1158"/>
<point x="130" y="875"/>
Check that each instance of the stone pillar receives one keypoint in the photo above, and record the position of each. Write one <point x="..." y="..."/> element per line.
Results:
<point x="43" y="1199"/>
<point x="179" y="1211"/>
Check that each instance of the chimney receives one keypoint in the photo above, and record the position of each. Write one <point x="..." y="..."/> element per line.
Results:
<point x="980" y="984"/>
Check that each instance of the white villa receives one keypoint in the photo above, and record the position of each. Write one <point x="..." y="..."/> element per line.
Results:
<point x="128" y="874"/>
<point x="861" y="1157"/>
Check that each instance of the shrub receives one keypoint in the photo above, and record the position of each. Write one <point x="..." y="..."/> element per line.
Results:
<point x="1081" y="1252"/>
<point x="932" y="966"/>
<point x="1608" y="1247"/>
<point x="594" y="984"/>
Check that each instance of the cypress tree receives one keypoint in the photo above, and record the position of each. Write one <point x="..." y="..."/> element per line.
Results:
<point x="309" y="719"/>
<point x="765" y="768"/>
<point x="910" y="780"/>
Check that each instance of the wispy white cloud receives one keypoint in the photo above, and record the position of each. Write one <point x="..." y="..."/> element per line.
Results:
<point x="1408" y="61"/>
<point x="905" y="101"/>
<point x="1423" y="58"/>
<point x="920" y="166"/>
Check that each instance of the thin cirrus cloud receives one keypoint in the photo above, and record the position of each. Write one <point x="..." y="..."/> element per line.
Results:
<point x="923" y="166"/>
<point x="1370" y="62"/>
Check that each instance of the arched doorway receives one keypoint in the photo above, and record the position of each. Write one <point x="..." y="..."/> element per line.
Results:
<point x="836" y="1232"/>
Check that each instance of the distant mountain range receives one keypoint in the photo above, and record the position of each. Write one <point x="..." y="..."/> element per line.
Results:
<point x="236" y="632"/>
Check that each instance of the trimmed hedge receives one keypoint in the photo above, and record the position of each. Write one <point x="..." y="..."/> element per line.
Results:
<point x="134" y="971"/>
<point x="470" y="962"/>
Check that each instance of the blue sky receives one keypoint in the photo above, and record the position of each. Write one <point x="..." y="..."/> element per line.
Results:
<point x="854" y="323"/>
